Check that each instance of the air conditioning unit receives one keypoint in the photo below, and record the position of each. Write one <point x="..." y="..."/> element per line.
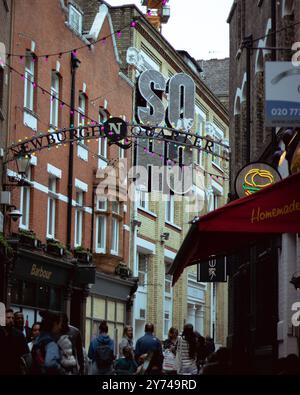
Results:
<point x="5" y="197"/>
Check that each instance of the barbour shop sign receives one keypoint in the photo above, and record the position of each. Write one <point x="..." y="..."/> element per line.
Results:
<point x="40" y="272"/>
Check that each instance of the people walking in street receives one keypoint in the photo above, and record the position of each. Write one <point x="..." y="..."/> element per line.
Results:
<point x="101" y="352"/>
<point x="45" y="352"/>
<point x="13" y="347"/>
<point x="148" y="343"/>
<point x="77" y="347"/>
<point x="127" y="340"/>
<point x="186" y="354"/>
<point x="35" y="332"/>
<point x="19" y="324"/>
<point x="126" y="364"/>
<point x="169" y="352"/>
<point x="209" y="345"/>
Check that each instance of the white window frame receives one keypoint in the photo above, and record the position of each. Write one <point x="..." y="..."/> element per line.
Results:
<point x="54" y="102"/>
<point x="102" y="141"/>
<point x="82" y="151"/>
<point x="25" y="208"/>
<point x="74" y="12"/>
<point x="216" y="199"/>
<point x="98" y="207"/>
<point x="101" y="249"/>
<point x="115" y="229"/>
<point x="78" y="225"/>
<point x="143" y="198"/>
<point x="142" y="272"/>
<point x="29" y="81"/>
<point x="51" y="199"/>
<point x="170" y="201"/>
<point x="218" y="135"/>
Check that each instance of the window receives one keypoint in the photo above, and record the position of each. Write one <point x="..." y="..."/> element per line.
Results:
<point x="78" y="219"/>
<point x="29" y="81"/>
<point x="101" y="204"/>
<point x="142" y="269"/>
<point x="168" y="284"/>
<point x="115" y="207"/>
<point x="143" y="198"/>
<point x="75" y="19"/>
<point x="81" y="148"/>
<point x="170" y="209"/>
<point x="53" y="100"/>
<point x="100" y="234"/>
<point x="51" y="208"/>
<point x="114" y="236"/>
<point x="25" y="204"/>
<point x="102" y="145"/>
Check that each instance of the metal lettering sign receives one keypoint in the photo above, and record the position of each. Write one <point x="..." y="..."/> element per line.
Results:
<point x="212" y="271"/>
<point x="181" y="106"/>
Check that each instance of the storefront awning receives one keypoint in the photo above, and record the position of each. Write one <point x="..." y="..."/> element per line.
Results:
<point x="273" y="210"/>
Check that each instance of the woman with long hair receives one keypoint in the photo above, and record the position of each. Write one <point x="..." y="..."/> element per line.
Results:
<point x="186" y="354"/>
<point x="127" y="340"/>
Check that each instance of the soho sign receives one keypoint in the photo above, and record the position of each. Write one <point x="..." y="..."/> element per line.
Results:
<point x="181" y="104"/>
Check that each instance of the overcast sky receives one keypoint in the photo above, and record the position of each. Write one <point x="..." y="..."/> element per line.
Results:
<point x="197" y="26"/>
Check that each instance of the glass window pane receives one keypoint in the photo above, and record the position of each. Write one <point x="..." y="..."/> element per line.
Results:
<point x="87" y="333"/>
<point x="89" y="306"/>
<point x="110" y="310"/>
<point x="99" y="308"/>
<point x="111" y="330"/>
<point x="120" y="312"/>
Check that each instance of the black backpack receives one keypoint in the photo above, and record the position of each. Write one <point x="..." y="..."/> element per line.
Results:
<point x="104" y="356"/>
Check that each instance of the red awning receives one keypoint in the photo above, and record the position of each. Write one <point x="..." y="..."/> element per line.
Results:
<point x="275" y="209"/>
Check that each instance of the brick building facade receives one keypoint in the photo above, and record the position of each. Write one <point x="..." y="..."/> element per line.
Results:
<point x="43" y="28"/>
<point x="260" y="329"/>
<point x="5" y="40"/>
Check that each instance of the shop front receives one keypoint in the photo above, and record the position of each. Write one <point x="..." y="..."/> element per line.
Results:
<point x="38" y="281"/>
<point x="110" y="299"/>
<point x="248" y="232"/>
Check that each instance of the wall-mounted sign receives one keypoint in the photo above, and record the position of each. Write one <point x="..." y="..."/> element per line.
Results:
<point x="212" y="271"/>
<point x="254" y="177"/>
<point x="282" y="86"/>
<point x="181" y="107"/>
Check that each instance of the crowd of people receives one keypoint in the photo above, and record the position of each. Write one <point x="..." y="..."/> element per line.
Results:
<point x="54" y="347"/>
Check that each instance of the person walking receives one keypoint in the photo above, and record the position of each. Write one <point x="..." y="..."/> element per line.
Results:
<point x="13" y="347"/>
<point x="101" y="352"/>
<point x="169" y="352"/>
<point x="147" y="343"/>
<point x="19" y="324"/>
<point x="186" y="354"/>
<point x="127" y="340"/>
<point x="126" y="364"/>
<point x="35" y="332"/>
<point x="46" y="357"/>
<point x="77" y="347"/>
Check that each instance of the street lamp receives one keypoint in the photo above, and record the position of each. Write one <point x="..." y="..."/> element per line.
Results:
<point x="22" y="162"/>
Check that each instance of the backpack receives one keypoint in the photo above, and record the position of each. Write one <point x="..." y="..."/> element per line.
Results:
<point x="38" y="353"/>
<point x="68" y="360"/>
<point x="104" y="356"/>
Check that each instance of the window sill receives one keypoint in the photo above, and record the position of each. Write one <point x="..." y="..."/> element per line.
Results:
<point x="98" y="251"/>
<point x="147" y="211"/>
<point x="173" y="225"/>
<point x="30" y="119"/>
<point x="217" y="167"/>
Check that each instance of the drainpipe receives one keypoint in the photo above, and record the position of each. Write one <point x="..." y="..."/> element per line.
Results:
<point x="74" y="65"/>
<point x="273" y="44"/>
<point x="248" y="45"/>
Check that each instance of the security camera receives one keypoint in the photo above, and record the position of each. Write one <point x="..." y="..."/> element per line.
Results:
<point x="15" y="215"/>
